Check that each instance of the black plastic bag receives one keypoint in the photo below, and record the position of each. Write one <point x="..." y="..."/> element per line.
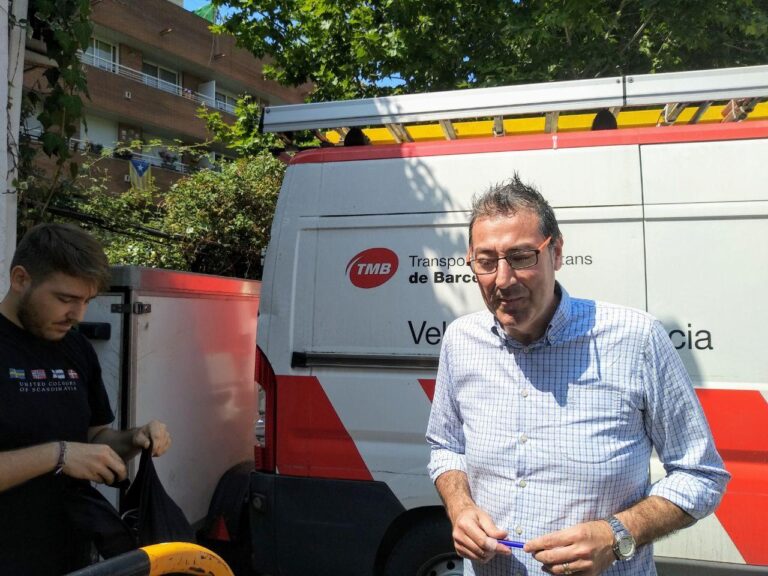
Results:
<point x="148" y="510"/>
<point x="93" y="519"/>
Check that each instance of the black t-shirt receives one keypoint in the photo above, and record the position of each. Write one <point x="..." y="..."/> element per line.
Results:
<point x="49" y="391"/>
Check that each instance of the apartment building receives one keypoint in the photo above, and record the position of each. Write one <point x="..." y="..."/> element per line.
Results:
<point x="151" y="65"/>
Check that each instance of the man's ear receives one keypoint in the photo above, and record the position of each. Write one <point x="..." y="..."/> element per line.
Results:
<point x="21" y="281"/>
<point x="557" y="250"/>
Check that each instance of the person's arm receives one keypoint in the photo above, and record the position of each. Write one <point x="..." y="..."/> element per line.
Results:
<point x="18" y="466"/>
<point x="474" y="532"/>
<point x="128" y="443"/>
<point x="587" y="548"/>
<point x="691" y="489"/>
<point x="98" y="463"/>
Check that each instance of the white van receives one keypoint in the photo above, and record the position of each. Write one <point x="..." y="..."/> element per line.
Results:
<point x="366" y="269"/>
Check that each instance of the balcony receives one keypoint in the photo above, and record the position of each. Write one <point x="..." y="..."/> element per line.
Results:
<point x="117" y="168"/>
<point x="154" y="82"/>
<point x="139" y="23"/>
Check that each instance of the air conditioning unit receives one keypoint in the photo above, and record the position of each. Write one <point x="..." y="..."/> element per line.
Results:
<point x="127" y="94"/>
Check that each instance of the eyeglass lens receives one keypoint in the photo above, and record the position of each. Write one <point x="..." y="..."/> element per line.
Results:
<point x="516" y="260"/>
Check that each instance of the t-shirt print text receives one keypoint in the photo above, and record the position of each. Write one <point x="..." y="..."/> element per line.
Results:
<point x="41" y="380"/>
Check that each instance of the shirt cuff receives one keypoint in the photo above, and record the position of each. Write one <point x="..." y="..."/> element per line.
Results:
<point x="442" y="460"/>
<point x="697" y="496"/>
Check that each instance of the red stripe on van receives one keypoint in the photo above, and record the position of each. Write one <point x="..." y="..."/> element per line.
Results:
<point x="311" y="439"/>
<point x="627" y="136"/>
<point x="739" y="423"/>
<point x="429" y="387"/>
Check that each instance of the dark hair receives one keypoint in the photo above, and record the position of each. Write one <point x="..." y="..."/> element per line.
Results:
<point x="508" y="198"/>
<point x="51" y="247"/>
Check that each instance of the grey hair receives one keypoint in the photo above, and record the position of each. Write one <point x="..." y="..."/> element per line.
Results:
<point x="508" y="198"/>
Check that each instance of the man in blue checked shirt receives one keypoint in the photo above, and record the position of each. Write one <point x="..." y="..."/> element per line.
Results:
<point x="546" y="410"/>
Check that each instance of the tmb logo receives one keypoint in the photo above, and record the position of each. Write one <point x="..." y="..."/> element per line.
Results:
<point x="372" y="267"/>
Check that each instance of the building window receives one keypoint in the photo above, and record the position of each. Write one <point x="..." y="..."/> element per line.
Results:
<point x="162" y="78"/>
<point x="101" y="55"/>
<point x="127" y="133"/>
<point x="225" y="102"/>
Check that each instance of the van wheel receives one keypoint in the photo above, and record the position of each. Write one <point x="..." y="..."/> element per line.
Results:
<point x="425" y="550"/>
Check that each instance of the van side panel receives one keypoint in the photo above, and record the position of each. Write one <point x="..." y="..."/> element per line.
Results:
<point x="706" y="231"/>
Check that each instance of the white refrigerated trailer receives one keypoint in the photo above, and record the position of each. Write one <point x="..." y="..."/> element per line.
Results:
<point x="180" y="348"/>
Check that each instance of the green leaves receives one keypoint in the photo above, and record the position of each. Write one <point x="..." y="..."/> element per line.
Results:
<point x="65" y="28"/>
<point x="352" y="48"/>
<point x="242" y="137"/>
<point x="214" y="221"/>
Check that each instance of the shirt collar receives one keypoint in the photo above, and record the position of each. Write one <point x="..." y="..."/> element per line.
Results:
<point x="555" y="331"/>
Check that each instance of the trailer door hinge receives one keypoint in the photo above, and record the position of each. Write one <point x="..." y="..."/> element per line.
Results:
<point x="141" y="308"/>
<point x="137" y="308"/>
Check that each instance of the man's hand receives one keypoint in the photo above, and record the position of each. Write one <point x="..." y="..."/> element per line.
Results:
<point x="585" y="549"/>
<point x="154" y="432"/>
<point x="475" y="535"/>
<point x="94" y="462"/>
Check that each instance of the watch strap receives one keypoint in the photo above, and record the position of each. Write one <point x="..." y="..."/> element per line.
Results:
<point x="620" y="533"/>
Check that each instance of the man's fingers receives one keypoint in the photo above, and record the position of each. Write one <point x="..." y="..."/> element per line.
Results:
<point x="475" y="536"/>
<point x="155" y="432"/>
<point x="160" y="443"/>
<point x="550" y="541"/>
<point x="112" y="467"/>
<point x="95" y="462"/>
<point x="467" y="547"/>
<point x="582" y="549"/>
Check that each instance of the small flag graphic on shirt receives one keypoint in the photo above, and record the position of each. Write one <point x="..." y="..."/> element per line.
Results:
<point x="72" y="374"/>
<point x="59" y="374"/>
<point x="16" y="374"/>
<point x="38" y="374"/>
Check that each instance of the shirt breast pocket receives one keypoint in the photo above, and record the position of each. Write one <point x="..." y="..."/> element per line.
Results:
<point x="591" y="423"/>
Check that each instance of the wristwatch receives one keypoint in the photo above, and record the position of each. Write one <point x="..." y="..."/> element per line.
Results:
<point x="623" y="542"/>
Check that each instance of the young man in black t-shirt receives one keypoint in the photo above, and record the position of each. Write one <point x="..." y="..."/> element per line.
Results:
<point x="54" y="411"/>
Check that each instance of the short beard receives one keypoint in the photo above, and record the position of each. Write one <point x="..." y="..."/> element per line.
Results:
<point x="29" y="318"/>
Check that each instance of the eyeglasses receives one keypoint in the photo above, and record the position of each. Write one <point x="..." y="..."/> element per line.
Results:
<point x="517" y="260"/>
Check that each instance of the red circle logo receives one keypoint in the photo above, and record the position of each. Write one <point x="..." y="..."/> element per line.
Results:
<point x="372" y="267"/>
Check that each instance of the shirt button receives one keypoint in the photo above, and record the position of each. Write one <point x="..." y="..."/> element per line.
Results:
<point x="518" y="530"/>
<point x="526" y="349"/>
<point x="522" y="483"/>
<point x="523" y="438"/>
<point x="524" y="393"/>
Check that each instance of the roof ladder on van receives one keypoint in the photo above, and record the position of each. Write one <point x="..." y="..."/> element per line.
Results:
<point x="733" y="92"/>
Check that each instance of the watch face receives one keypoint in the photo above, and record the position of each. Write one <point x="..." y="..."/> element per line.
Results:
<point x="626" y="546"/>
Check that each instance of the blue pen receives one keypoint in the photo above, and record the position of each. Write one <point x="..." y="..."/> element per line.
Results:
<point x="512" y="543"/>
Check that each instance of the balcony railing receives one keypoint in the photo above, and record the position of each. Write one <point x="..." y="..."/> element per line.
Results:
<point x="90" y="147"/>
<point x="168" y="163"/>
<point x="154" y="82"/>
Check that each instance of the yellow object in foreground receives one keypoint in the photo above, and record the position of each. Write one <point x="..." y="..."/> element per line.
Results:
<point x="184" y="558"/>
<point x="160" y="559"/>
